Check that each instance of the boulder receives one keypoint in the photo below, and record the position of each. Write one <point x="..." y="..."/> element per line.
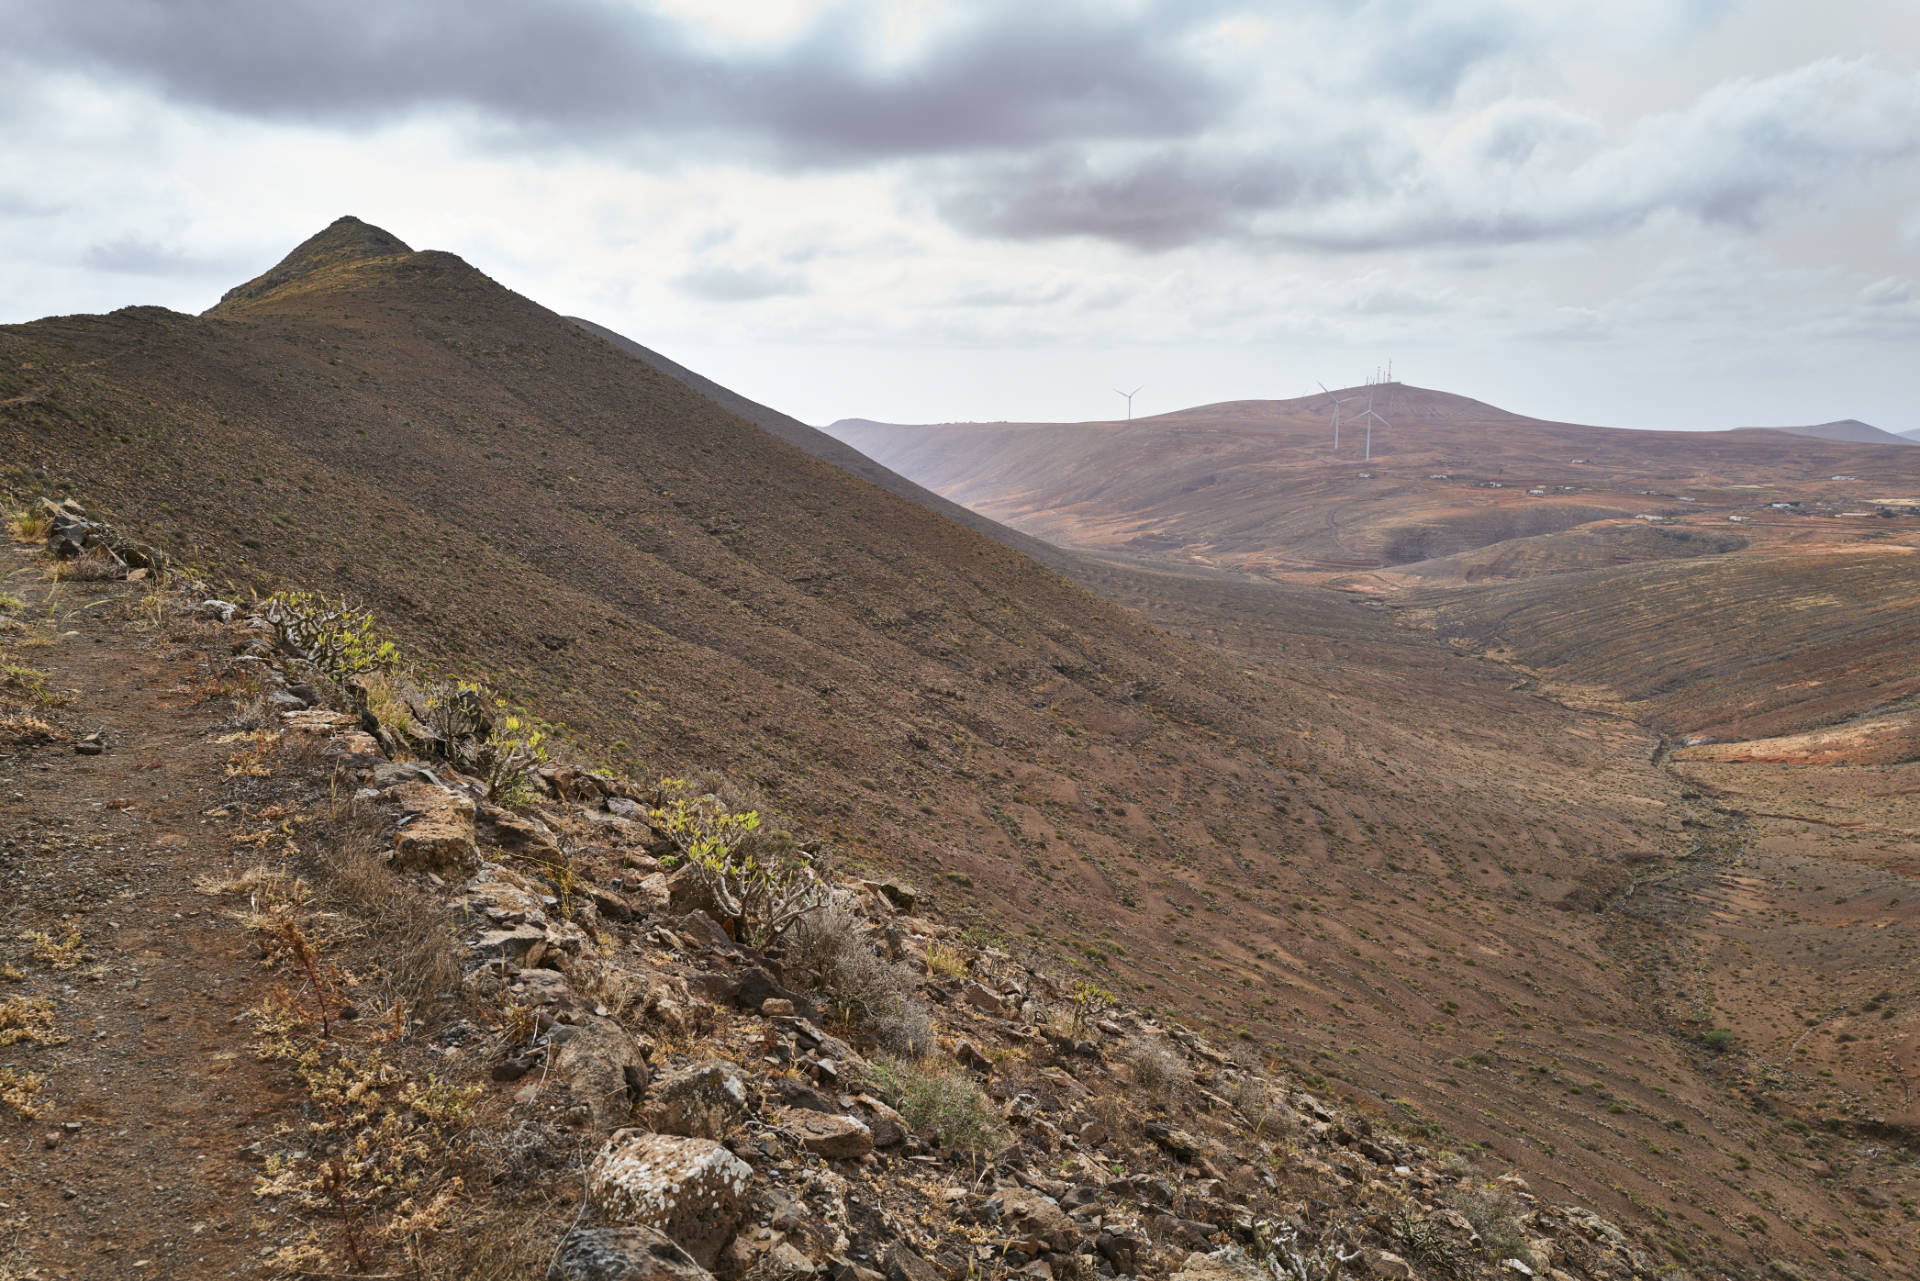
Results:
<point x="601" y="1064"/>
<point x="969" y="1056"/>
<point x="622" y="1254"/>
<point x="765" y="1255"/>
<point x="1028" y="1216"/>
<point x="436" y="830"/>
<point x="650" y="894"/>
<point x="689" y="891"/>
<point x="1123" y="1251"/>
<point x="514" y="832"/>
<point x="758" y="986"/>
<point x="689" y="1189"/>
<point x="903" y="1264"/>
<point x="838" y="1138"/>
<point x="700" y="1102"/>
<point x="888" y="1126"/>
<point x="984" y="999"/>
<point x="898" y="896"/>
<point x="519" y="944"/>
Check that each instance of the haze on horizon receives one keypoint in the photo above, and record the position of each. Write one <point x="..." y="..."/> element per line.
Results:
<point x="1659" y="213"/>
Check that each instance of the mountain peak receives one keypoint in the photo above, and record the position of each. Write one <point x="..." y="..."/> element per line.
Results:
<point x="345" y="244"/>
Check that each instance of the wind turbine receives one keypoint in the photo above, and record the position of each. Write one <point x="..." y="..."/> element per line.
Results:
<point x="1337" y="402"/>
<point x="1370" y="418"/>
<point x="1129" y="395"/>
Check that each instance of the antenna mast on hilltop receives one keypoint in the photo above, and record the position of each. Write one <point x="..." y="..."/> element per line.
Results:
<point x="1337" y="402"/>
<point x="1128" y="396"/>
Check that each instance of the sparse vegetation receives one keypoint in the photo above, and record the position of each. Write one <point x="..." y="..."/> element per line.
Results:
<point x="1157" y="1067"/>
<point x="28" y="1019"/>
<point x="1496" y="1215"/>
<point x="941" y="1104"/>
<point x="761" y="882"/>
<point x="872" y="993"/>
<point x="19" y="1090"/>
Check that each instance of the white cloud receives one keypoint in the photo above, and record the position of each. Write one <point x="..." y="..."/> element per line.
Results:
<point x="1241" y="198"/>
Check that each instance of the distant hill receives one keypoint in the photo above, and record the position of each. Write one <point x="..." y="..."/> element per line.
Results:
<point x="1851" y="429"/>
<point x="1913" y="435"/>
<point x="1257" y="486"/>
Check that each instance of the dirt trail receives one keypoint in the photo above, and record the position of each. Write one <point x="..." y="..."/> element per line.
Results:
<point x="134" y="1166"/>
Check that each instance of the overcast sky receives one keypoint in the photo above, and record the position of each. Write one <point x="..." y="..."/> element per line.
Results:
<point x="1686" y="213"/>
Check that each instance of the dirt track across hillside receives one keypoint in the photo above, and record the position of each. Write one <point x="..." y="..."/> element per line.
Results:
<point x="134" y="1163"/>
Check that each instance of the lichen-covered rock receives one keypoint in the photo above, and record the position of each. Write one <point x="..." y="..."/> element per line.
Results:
<point x="622" y="1254"/>
<point x="690" y="1189"/>
<point x="700" y="1102"/>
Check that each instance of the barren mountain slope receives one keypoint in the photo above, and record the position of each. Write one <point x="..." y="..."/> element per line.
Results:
<point x="830" y="450"/>
<point x="1850" y="429"/>
<point x="1369" y="855"/>
<point x="1747" y="646"/>
<point x="1256" y="485"/>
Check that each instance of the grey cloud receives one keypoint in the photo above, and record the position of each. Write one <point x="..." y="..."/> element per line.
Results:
<point x="136" y="256"/>
<point x="1157" y="200"/>
<point x="738" y="284"/>
<point x="590" y="71"/>
<point x="1521" y="173"/>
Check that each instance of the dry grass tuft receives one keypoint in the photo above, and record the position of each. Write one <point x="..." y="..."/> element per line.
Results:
<point x="872" y="993"/>
<point x="29" y="527"/>
<point x="95" y="565"/>
<point x="19" y="1090"/>
<point x="945" y="961"/>
<point x="21" y="729"/>
<point x="28" y="1019"/>
<point x="498" y="1243"/>
<point x="420" y="959"/>
<point x="1158" y="1067"/>
<point x="62" y="953"/>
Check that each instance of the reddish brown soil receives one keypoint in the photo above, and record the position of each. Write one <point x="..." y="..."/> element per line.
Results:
<point x="134" y="1166"/>
<point x="1254" y="485"/>
<point x="1275" y="813"/>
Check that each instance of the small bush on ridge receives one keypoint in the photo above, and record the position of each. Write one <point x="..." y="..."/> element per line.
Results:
<point x="873" y="993"/>
<point x="941" y="1104"/>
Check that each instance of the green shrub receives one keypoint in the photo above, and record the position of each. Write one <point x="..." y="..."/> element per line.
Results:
<point x="330" y="634"/>
<point x="942" y="1105"/>
<point x="507" y="755"/>
<point x="1719" y="1040"/>
<point x="762" y="881"/>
